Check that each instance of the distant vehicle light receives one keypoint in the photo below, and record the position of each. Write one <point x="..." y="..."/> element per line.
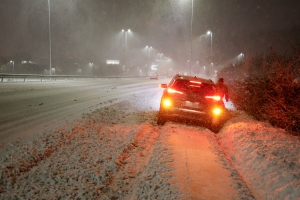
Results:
<point x="112" y="62"/>
<point x="217" y="111"/>
<point x="167" y="103"/>
<point x="170" y="90"/>
<point x="217" y="98"/>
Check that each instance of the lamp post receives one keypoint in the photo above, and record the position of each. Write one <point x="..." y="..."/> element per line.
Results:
<point x="126" y="35"/>
<point x="191" y="39"/>
<point x="210" y="33"/>
<point x="149" y="49"/>
<point x="91" y="65"/>
<point x="160" y="56"/>
<point x="50" y="37"/>
<point x="13" y="63"/>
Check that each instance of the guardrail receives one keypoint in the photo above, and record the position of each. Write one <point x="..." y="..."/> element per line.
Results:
<point x="40" y="77"/>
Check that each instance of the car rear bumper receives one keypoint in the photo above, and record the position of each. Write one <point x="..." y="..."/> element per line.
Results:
<point x="185" y="113"/>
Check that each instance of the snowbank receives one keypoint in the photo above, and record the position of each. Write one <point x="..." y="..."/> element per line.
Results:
<point x="265" y="156"/>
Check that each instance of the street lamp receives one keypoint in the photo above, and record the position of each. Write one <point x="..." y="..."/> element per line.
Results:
<point x="160" y="55"/>
<point x="50" y="36"/>
<point x="188" y="64"/>
<point x="210" y="33"/>
<point x="91" y="65"/>
<point x="126" y="35"/>
<point x="13" y="63"/>
<point x="191" y="39"/>
<point x="149" y="48"/>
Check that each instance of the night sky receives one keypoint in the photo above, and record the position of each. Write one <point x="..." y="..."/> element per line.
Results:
<point x="90" y="30"/>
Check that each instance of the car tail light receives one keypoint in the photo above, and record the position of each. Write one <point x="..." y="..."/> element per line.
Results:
<point x="166" y="103"/>
<point x="217" y="98"/>
<point x="198" y="82"/>
<point x="170" y="90"/>
<point x="163" y="85"/>
<point x="217" y="111"/>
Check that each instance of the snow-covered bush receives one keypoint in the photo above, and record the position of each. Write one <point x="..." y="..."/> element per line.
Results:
<point x="268" y="88"/>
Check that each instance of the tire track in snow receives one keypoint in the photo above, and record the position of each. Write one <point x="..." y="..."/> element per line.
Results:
<point x="132" y="161"/>
<point x="187" y="171"/>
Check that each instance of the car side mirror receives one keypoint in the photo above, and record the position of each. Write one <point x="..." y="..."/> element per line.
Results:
<point x="163" y="85"/>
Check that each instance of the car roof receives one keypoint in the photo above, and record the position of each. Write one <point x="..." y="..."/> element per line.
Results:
<point x="193" y="78"/>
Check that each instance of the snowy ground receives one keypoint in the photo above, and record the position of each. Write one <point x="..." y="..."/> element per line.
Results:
<point x="118" y="152"/>
<point x="265" y="156"/>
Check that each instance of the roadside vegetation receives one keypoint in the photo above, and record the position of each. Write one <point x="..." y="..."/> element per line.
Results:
<point x="268" y="88"/>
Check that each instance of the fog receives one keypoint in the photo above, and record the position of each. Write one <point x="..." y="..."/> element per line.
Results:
<point x="90" y="31"/>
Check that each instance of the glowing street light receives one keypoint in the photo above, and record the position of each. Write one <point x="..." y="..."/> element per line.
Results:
<point x="210" y="33"/>
<point x="13" y="64"/>
<point x="126" y="35"/>
<point x="91" y="65"/>
<point x="191" y="39"/>
<point x="50" y="37"/>
<point x="149" y="49"/>
<point x="160" y="55"/>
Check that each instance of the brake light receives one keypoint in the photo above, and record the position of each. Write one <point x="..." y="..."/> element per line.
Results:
<point x="198" y="82"/>
<point x="217" y="98"/>
<point x="170" y="90"/>
<point x="163" y="85"/>
<point x="217" y="111"/>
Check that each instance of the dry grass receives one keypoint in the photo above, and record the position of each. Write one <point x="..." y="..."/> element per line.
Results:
<point x="268" y="88"/>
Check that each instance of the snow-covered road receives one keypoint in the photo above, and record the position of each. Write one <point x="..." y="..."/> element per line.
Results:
<point x="27" y="108"/>
<point x="115" y="150"/>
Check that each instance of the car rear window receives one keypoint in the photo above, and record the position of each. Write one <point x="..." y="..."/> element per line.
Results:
<point x="194" y="86"/>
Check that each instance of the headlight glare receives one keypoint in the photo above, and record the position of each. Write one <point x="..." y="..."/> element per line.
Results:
<point x="166" y="103"/>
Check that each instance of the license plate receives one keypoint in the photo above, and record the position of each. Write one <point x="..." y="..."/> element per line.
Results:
<point x="192" y="104"/>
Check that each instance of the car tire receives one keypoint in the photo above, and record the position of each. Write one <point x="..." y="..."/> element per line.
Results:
<point x="161" y="118"/>
<point x="215" y="126"/>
